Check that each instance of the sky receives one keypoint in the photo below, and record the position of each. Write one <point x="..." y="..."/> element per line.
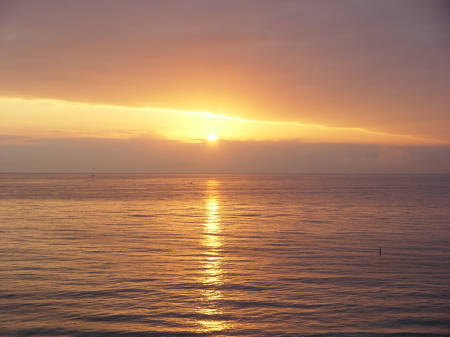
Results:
<point x="286" y="86"/>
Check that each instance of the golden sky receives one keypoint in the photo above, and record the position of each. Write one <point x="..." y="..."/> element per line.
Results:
<point x="369" y="73"/>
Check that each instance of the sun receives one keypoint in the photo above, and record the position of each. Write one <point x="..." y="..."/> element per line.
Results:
<point x="212" y="137"/>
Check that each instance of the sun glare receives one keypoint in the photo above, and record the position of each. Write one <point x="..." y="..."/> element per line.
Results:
<point x="212" y="137"/>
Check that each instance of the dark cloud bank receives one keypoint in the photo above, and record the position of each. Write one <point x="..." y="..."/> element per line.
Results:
<point x="164" y="156"/>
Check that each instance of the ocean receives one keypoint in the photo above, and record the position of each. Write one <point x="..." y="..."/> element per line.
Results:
<point x="224" y="255"/>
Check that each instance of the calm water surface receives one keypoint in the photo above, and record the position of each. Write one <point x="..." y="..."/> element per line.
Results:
<point x="224" y="255"/>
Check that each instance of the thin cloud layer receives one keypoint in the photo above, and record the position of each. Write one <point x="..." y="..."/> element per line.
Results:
<point x="378" y="65"/>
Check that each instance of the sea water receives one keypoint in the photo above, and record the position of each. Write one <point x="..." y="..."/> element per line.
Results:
<point x="224" y="255"/>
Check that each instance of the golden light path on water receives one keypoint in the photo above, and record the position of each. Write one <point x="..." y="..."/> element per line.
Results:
<point x="212" y="275"/>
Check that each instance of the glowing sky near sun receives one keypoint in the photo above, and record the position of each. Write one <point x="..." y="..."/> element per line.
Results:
<point x="47" y="118"/>
<point x="351" y="72"/>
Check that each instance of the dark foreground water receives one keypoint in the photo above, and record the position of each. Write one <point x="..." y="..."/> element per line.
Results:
<point x="224" y="255"/>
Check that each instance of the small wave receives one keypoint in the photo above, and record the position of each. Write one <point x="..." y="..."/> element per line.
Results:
<point x="215" y="234"/>
<point x="143" y="215"/>
<point x="119" y="318"/>
<point x="127" y="292"/>
<point x="271" y="304"/>
<point x="278" y="215"/>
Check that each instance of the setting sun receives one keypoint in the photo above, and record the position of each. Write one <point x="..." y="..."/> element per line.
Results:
<point x="212" y="137"/>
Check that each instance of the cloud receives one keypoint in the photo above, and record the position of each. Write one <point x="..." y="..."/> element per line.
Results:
<point x="59" y="119"/>
<point x="378" y="65"/>
<point x="142" y="155"/>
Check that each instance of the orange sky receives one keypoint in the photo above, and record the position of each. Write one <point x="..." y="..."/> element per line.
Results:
<point x="311" y="72"/>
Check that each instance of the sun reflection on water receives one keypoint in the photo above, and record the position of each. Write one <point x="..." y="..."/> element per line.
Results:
<point x="212" y="275"/>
